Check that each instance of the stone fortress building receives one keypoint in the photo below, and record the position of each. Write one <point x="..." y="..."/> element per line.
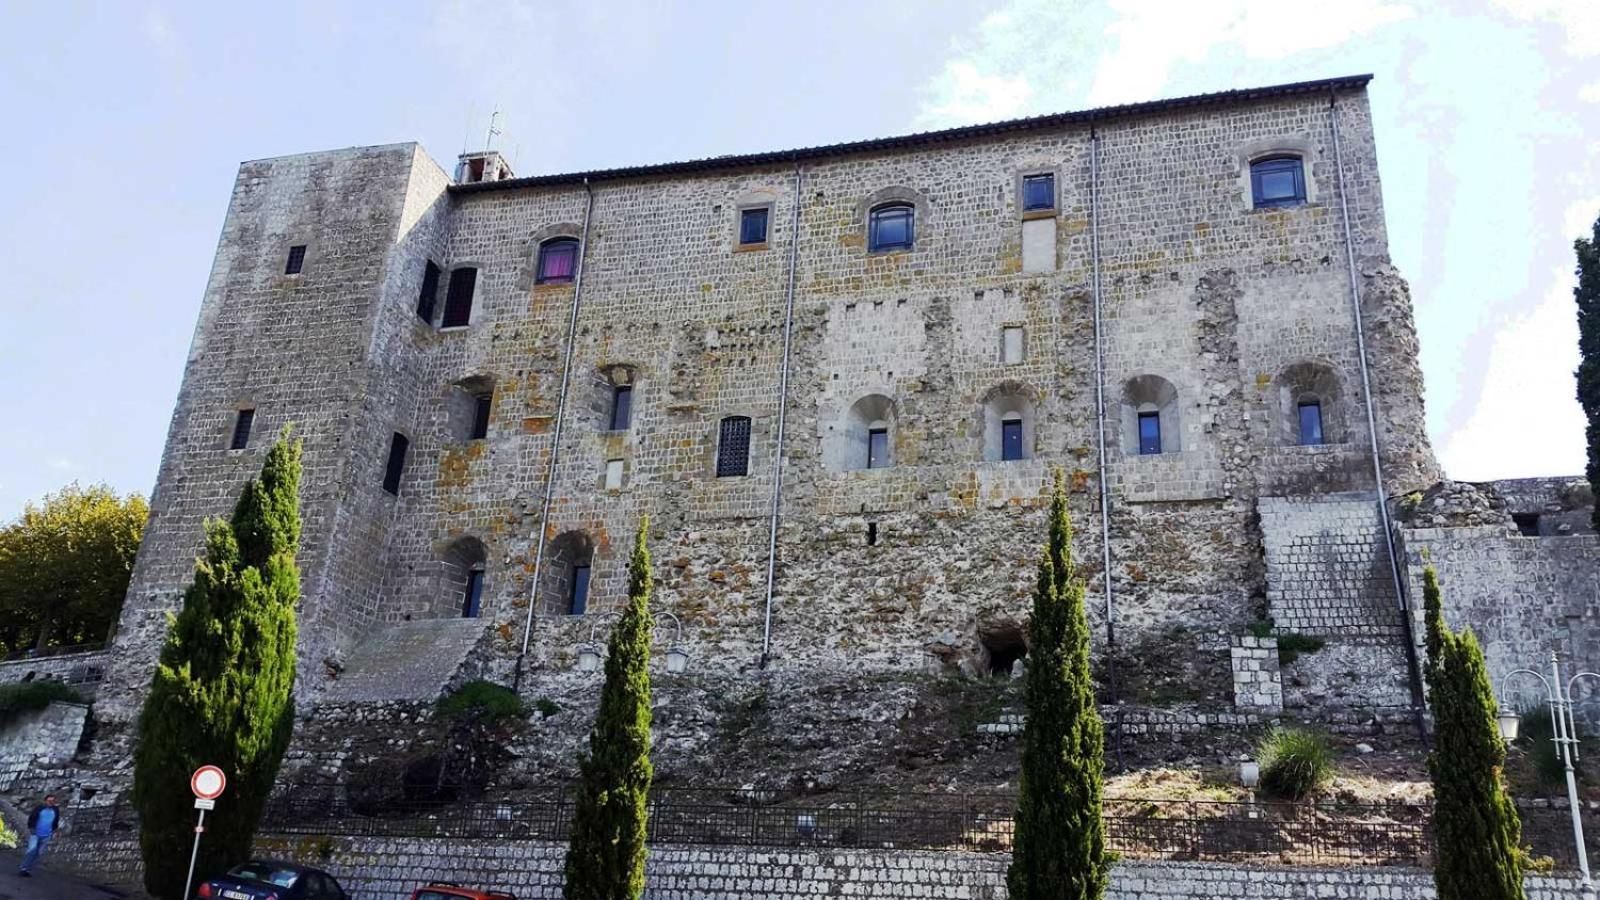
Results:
<point x="838" y="380"/>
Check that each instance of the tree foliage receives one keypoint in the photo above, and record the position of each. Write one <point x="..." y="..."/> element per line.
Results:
<point x="1059" y="845"/>
<point x="1587" y="294"/>
<point x="65" y="565"/>
<point x="605" y="860"/>
<point x="222" y="693"/>
<point x="1475" y="825"/>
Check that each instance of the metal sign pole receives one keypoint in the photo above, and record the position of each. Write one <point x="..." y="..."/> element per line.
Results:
<point x="199" y="826"/>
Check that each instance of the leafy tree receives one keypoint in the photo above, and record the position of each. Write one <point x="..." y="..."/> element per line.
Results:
<point x="1059" y="848"/>
<point x="223" y="693"/>
<point x="1475" y="824"/>
<point x="605" y="860"/>
<point x="65" y="565"/>
<point x="1588" y="296"/>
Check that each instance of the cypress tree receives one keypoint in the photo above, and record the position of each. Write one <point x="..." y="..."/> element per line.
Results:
<point x="1476" y="831"/>
<point x="223" y="692"/>
<point x="605" y="859"/>
<point x="1058" y="849"/>
<point x="1587" y="294"/>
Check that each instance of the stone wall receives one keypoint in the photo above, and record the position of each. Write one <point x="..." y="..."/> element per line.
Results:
<point x="81" y="670"/>
<point x="389" y="869"/>
<point x="41" y="738"/>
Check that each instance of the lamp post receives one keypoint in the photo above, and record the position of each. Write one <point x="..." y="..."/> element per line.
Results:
<point x="1564" y="737"/>
<point x="589" y="655"/>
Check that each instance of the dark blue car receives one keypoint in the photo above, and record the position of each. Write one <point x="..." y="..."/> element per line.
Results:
<point x="265" y="879"/>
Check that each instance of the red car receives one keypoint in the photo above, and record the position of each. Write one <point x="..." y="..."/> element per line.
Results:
<point x="447" y="891"/>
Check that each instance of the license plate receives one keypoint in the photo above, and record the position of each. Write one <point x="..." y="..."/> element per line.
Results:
<point x="237" y="895"/>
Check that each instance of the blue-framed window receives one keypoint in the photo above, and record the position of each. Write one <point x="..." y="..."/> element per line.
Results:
<point x="1310" y="422"/>
<point x="578" y="601"/>
<point x="1038" y="192"/>
<point x="1278" y="181"/>
<point x="1011" y="440"/>
<point x="621" y="407"/>
<point x="1149" y="433"/>
<point x="891" y="226"/>
<point x="472" y="600"/>
<point x="753" y="225"/>
<point x="878" y="448"/>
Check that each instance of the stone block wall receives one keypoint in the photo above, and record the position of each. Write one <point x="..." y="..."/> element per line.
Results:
<point x="41" y="738"/>
<point x="81" y="670"/>
<point x="1327" y="567"/>
<point x="1257" y="684"/>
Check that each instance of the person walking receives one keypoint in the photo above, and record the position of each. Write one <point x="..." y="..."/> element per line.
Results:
<point x="42" y="826"/>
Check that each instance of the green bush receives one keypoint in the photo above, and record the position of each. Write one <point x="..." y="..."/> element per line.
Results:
<point x="483" y="700"/>
<point x="1291" y="646"/>
<point x="546" y="707"/>
<point x="1535" y="738"/>
<point x="1295" y="763"/>
<point x="16" y="699"/>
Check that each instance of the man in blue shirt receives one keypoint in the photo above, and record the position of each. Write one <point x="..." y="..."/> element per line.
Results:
<point x="42" y="825"/>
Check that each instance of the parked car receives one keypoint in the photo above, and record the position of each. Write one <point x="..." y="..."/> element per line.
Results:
<point x="266" y="879"/>
<point x="444" y="890"/>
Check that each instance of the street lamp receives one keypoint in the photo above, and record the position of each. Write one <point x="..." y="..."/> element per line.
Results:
<point x="591" y="653"/>
<point x="1564" y="737"/>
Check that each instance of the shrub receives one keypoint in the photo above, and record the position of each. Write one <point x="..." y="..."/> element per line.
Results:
<point x="1291" y="646"/>
<point x="1535" y="738"/>
<point x="482" y="700"/>
<point x="546" y="707"/>
<point x="16" y="699"/>
<point x="1295" y="763"/>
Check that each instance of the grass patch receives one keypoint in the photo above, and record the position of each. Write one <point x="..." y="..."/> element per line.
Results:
<point x="30" y="696"/>
<point x="483" y="700"/>
<point x="1295" y="763"/>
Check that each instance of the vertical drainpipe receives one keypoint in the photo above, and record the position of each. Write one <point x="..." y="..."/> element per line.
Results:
<point x="1100" y="429"/>
<point x="555" y="438"/>
<point x="1372" y="421"/>
<point x="783" y="405"/>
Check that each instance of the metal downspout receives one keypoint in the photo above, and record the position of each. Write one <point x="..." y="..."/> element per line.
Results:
<point x="783" y="405"/>
<point x="555" y="439"/>
<point x="1417" y="690"/>
<point x="1100" y="432"/>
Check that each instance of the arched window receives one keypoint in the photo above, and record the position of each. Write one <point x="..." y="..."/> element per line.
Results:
<point x="1009" y="423"/>
<point x="566" y="580"/>
<point x="862" y="438"/>
<point x="1310" y="399"/>
<point x="1150" y="421"/>
<point x="464" y="577"/>
<point x="558" y="261"/>
<point x="891" y="226"/>
<point x="1278" y="181"/>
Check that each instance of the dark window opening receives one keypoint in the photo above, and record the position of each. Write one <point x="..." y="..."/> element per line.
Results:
<point x="872" y="534"/>
<point x="1278" y="181"/>
<point x="458" y="298"/>
<point x="1038" y="192"/>
<point x="621" y="407"/>
<point x="472" y="602"/>
<point x="877" y="448"/>
<point x="733" y="447"/>
<point x="578" y="601"/>
<point x="1310" y="422"/>
<point x="397" y="463"/>
<point x="1011" y="440"/>
<point x="558" y="261"/>
<point x="1527" y="523"/>
<point x="1149" y="433"/>
<point x="481" y="404"/>
<point x="753" y="225"/>
<point x="1004" y="650"/>
<point x="297" y="260"/>
<point x="891" y="227"/>
<point x="241" y="429"/>
<point x="430" y="293"/>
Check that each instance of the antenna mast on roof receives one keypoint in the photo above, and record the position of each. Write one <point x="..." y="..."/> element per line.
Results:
<point x="488" y="140"/>
<point x="466" y="133"/>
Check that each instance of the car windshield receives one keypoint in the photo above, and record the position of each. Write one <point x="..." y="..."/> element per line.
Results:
<point x="437" y="895"/>
<point x="275" y="875"/>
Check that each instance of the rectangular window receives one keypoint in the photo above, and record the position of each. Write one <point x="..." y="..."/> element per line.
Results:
<point x="558" y="261"/>
<point x="891" y="227"/>
<point x="241" y="429"/>
<point x="430" y="293"/>
<point x="481" y="404"/>
<point x="621" y="407"/>
<point x="1011" y="440"/>
<point x="613" y="474"/>
<point x="1011" y="344"/>
<point x="297" y="260"/>
<point x="733" y="447"/>
<point x="1280" y="181"/>
<point x="753" y="225"/>
<point x="458" y="298"/>
<point x="1038" y="192"/>
<point x="1149" y="433"/>
<point x="473" y="601"/>
<point x="397" y="463"/>
<point x="579" y="601"/>
<point x="1310" y="423"/>
<point x="878" y="448"/>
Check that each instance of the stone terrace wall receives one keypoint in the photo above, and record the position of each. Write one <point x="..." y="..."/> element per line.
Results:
<point x="81" y="669"/>
<point x="389" y="869"/>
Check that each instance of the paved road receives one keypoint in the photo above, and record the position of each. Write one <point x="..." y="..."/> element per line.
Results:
<point x="47" y="884"/>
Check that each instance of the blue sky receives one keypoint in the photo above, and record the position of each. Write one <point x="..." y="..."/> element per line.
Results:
<point x="125" y="123"/>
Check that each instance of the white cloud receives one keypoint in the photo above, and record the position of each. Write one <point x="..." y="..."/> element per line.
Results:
<point x="1579" y="218"/>
<point x="1579" y="20"/>
<point x="1590" y="93"/>
<point x="61" y="464"/>
<point x="967" y="95"/>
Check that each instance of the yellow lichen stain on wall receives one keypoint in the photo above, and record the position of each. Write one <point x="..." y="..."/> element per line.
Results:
<point x="455" y="463"/>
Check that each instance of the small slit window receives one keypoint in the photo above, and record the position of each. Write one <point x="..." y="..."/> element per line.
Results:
<point x="458" y="298"/>
<point x="1310" y="422"/>
<point x="578" y="600"/>
<point x="1278" y="181"/>
<point x="753" y="225"/>
<point x="1011" y="438"/>
<point x="241" y="429"/>
<point x="621" y="407"/>
<point x="429" y="293"/>
<point x="558" y="261"/>
<point x="1149" y="433"/>
<point x="1038" y="192"/>
<point x="481" y="405"/>
<point x="891" y="226"/>
<point x="472" y="599"/>
<point x="733" y="447"/>
<point x="397" y="463"/>
<point x="297" y="260"/>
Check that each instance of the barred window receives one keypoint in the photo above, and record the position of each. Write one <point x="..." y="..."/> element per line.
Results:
<point x="733" y="447"/>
